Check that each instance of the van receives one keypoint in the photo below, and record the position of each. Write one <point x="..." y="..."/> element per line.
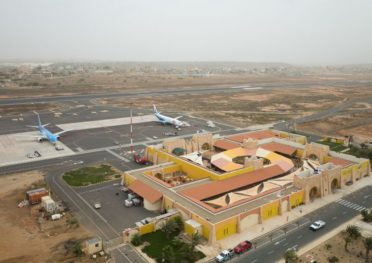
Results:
<point x="128" y="203"/>
<point x="136" y="201"/>
<point x="132" y="195"/>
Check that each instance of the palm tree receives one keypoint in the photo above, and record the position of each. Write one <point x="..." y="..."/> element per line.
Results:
<point x="347" y="240"/>
<point x="367" y="215"/>
<point x="196" y="239"/>
<point x="290" y="255"/>
<point x="353" y="231"/>
<point x="168" y="255"/>
<point x="169" y="227"/>
<point x="368" y="245"/>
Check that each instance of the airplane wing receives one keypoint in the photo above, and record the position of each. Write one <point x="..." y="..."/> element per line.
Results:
<point x="178" y="117"/>
<point x="61" y="132"/>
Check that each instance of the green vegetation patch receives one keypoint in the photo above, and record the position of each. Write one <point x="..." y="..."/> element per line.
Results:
<point x="360" y="153"/>
<point x="90" y="175"/>
<point x="180" y="251"/>
<point x="336" y="147"/>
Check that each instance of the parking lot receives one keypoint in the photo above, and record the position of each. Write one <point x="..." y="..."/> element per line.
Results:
<point x="111" y="198"/>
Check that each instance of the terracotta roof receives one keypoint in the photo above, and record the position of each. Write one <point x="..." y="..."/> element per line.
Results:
<point x="225" y="145"/>
<point x="258" y="135"/>
<point x="145" y="191"/>
<point x="339" y="161"/>
<point x="215" y="188"/>
<point x="278" y="147"/>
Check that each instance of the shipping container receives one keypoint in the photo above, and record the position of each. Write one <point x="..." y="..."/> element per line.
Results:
<point x="34" y="196"/>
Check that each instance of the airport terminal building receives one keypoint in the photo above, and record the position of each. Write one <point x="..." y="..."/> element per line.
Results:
<point x="224" y="185"/>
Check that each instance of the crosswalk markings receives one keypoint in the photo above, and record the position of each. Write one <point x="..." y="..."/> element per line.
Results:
<point x="350" y="205"/>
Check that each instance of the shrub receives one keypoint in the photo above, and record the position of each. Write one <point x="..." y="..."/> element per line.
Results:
<point x="328" y="246"/>
<point x="332" y="259"/>
<point x="136" y="240"/>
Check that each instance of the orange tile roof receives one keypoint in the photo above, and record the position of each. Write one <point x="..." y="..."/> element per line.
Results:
<point x="145" y="191"/>
<point x="218" y="187"/>
<point x="278" y="147"/>
<point x="339" y="161"/>
<point x="226" y="145"/>
<point x="258" y="135"/>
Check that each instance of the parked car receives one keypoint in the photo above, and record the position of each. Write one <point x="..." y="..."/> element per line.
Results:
<point x="243" y="247"/>
<point x="317" y="225"/>
<point x="124" y="189"/>
<point x="136" y="201"/>
<point x="97" y="205"/>
<point x="132" y="196"/>
<point x="225" y="255"/>
<point x="128" y="203"/>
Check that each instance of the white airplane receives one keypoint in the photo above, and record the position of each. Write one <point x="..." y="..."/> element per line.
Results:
<point x="168" y="120"/>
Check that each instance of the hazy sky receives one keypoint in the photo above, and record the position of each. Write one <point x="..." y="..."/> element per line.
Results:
<point x="293" y="31"/>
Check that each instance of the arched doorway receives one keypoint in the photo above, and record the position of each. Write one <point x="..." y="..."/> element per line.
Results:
<point x="206" y="146"/>
<point x="313" y="193"/>
<point x="313" y="157"/>
<point x="334" y="185"/>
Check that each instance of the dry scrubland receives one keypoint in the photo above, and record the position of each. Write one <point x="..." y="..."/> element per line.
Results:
<point x="252" y="107"/>
<point x="240" y="109"/>
<point x="22" y="239"/>
<point x="82" y="83"/>
<point x="335" y="246"/>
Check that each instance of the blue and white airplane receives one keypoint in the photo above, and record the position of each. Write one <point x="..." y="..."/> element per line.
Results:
<point x="45" y="134"/>
<point x="168" y="120"/>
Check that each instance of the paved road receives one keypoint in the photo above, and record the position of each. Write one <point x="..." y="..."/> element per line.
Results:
<point x="298" y="235"/>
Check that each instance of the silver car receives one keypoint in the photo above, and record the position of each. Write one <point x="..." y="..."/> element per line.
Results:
<point x="317" y="225"/>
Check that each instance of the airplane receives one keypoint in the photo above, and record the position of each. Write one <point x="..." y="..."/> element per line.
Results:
<point x="168" y="120"/>
<point x="45" y="133"/>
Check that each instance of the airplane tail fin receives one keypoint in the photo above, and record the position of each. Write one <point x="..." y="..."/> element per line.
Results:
<point x="155" y="109"/>
<point x="39" y="121"/>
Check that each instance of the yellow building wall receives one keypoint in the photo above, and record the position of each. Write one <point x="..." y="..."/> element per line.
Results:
<point x="206" y="226"/>
<point x="327" y="159"/>
<point x="224" y="176"/>
<point x="148" y="228"/>
<point x="296" y="199"/>
<point x="128" y="179"/>
<point x="168" y="203"/>
<point x="270" y="210"/>
<point x="172" y="169"/>
<point x="226" y="228"/>
<point x="346" y="172"/>
<point x="300" y="153"/>
<point x="189" y="229"/>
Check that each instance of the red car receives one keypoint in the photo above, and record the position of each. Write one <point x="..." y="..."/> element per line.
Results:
<point x="243" y="247"/>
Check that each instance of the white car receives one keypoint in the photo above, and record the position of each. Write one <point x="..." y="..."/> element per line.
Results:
<point x="317" y="225"/>
<point x="97" y="205"/>
<point x="225" y="255"/>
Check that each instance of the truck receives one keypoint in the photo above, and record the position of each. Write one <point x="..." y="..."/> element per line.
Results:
<point x="243" y="247"/>
<point x="225" y="255"/>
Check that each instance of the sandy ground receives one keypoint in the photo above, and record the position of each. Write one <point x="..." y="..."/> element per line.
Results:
<point x="21" y="238"/>
<point x="320" y="253"/>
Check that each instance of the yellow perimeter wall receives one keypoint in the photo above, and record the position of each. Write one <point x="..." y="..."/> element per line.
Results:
<point x="147" y="228"/>
<point x="297" y="198"/>
<point x="270" y="210"/>
<point x="226" y="228"/>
